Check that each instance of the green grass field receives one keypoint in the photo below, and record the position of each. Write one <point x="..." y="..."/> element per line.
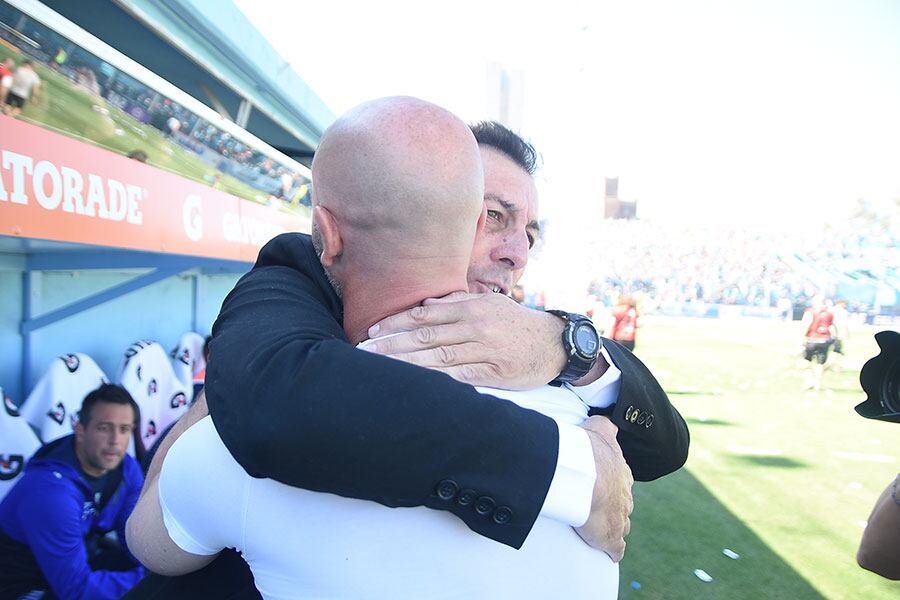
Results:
<point x="786" y="478"/>
<point x="69" y="109"/>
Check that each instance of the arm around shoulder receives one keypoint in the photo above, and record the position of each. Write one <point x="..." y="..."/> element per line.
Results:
<point x="294" y="401"/>
<point x="653" y="435"/>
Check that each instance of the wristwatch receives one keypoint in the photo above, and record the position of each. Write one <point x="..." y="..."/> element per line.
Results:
<point x="582" y="345"/>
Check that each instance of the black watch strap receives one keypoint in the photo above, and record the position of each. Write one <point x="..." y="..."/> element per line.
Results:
<point x="578" y="361"/>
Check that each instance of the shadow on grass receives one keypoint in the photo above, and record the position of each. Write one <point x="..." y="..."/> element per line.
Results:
<point x="712" y="422"/>
<point x="679" y="526"/>
<point x="782" y="462"/>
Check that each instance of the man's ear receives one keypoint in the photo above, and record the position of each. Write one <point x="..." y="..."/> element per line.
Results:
<point x="482" y="219"/>
<point x="79" y="432"/>
<point x="332" y="244"/>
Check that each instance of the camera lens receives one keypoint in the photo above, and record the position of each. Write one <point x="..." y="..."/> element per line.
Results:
<point x="880" y="380"/>
<point x="890" y="387"/>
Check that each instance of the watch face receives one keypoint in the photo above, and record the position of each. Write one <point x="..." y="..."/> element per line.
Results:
<point x="586" y="340"/>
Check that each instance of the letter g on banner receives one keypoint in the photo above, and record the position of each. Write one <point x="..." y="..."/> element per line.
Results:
<point x="192" y="219"/>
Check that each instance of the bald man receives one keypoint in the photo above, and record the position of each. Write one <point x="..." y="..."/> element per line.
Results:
<point x="382" y="257"/>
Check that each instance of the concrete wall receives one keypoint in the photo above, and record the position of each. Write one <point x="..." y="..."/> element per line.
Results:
<point x="160" y="312"/>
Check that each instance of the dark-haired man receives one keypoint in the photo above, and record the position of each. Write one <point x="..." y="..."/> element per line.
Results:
<point x="74" y="491"/>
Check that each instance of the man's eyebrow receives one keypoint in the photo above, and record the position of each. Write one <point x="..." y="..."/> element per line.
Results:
<point x="504" y="203"/>
<point x="513" y="209"/>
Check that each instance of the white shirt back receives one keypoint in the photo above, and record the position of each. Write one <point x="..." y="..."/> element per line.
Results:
<point x="303" y="544"/>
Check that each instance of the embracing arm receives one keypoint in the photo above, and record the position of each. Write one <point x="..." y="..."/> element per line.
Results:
<point x="653" y="435"/>
<point x="148" y="538"/>
<point x="292" y="400"/>
<point x="490" y="340"/>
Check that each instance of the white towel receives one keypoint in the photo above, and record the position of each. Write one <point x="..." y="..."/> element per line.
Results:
<point x="53" y="405"/>
<point x="17" y="443"/>
<point x="148" y="376"/>
<point x="187" y="358"/>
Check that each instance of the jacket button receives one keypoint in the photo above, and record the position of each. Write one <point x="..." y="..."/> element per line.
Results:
<point x="502" y="515"/>
<point x="649" y="421"/>
<point x="628" y="413"/>
<point x="466" y="497"/>
<point x="642" y="418"/>
<point x="447" y="489"/>
<point x="485" y="505"/>
<point x="635" y="415"/>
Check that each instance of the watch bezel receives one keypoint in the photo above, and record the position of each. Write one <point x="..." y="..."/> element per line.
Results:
<point x="573" y="338"/>
<point x="578" y="364"/>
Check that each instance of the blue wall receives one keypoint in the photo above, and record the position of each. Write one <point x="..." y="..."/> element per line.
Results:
<point x="160" y="312"/>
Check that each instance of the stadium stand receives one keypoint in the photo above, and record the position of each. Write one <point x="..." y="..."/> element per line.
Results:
<point x="672" y="266"/>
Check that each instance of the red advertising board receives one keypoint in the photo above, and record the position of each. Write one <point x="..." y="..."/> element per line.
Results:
<point x="53" y="187"/>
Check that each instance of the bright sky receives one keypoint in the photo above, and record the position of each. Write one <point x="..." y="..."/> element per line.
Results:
<point x="730" y="108"/>
<point x="708" y="111"/>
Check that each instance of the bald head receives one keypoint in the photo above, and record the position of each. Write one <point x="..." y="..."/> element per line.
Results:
<point x="402" y="179"/>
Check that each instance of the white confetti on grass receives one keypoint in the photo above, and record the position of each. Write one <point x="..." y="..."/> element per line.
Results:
<point x="863" y="457"/>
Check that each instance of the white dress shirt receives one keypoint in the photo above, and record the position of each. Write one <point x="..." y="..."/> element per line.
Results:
<point x="307" y="544"/>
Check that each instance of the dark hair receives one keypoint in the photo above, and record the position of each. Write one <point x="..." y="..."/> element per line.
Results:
<point x="498" y="136"/>
<point x="107" y="392"/>
<point x="206" y="347"/>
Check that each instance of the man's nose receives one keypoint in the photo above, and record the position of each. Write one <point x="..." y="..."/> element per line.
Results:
<point x="120" y="439"/>
<point x="513" y="252"/>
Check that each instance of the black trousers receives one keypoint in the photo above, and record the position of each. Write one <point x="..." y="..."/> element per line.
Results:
<point x="226" y="578"/>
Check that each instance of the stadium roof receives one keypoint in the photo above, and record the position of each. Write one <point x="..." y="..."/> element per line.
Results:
<point x="209" y="49"/>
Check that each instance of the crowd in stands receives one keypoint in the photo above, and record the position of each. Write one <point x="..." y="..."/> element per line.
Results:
<point x="216" y="147"/>
<point x="724" y="265"/>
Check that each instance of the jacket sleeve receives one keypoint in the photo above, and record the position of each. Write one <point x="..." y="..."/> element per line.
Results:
<point x="294" y="401"/>
<point x="653" y="436"/>
<point x="53" y="533"/>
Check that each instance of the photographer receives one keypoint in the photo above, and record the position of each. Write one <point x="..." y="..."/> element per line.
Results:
<point x="879" y="550"/>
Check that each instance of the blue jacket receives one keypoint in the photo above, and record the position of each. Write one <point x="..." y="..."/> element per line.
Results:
<point x="51" y="510"/>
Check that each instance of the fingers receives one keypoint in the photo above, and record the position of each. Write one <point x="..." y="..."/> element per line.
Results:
<point x="617" y="551"/>
<point x="454" y="297"/>
<point x="602" y="425"/>
<point x="431" y="337"/>
<point x="416" y="317"/>
<point x="465" y="353"/>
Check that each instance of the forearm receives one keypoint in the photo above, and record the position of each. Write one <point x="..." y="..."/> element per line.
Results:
<point x="653" y="435"/>
<point x="150" y="541"/>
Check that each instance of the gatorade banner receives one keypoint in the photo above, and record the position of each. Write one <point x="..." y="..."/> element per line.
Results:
<point x="53" y="187"/>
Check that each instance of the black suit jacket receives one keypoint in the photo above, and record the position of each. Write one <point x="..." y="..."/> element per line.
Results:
<point x="294" y="401"/>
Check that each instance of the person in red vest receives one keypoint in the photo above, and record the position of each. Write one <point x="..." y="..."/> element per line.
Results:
<point x="818" y="323"/>
<point x="6" y="78"/>
<point x="625" y="315"/>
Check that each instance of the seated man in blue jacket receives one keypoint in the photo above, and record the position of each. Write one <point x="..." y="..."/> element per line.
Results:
<point x="74" y="491"/>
